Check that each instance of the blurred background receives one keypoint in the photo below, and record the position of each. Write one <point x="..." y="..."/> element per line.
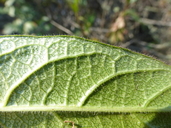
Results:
<point x="140" y="25"/>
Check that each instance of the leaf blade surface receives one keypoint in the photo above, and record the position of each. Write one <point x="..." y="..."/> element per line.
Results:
<point x="62" y="73"/>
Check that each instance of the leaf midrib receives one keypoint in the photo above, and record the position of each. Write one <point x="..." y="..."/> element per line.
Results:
<point x="84" y="109"/>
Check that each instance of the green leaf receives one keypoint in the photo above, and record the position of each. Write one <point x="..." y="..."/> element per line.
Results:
<point x="74" y="5"/>
<point x="53" y="81"/>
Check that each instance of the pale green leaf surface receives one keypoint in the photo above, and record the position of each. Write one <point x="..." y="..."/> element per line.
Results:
<point x="84" y="120"/>
<point x="62" y="73"/>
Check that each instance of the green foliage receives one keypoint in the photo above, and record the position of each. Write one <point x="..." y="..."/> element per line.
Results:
<point x="27" y="18"/>
<point x="131" y="1"/>
<point x="63" y="81"/>
<point x="74" y="5"/>
<point x="31" y="20"/>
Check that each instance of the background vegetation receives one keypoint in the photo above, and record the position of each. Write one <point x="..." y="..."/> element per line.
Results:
<point x="140" y="25"/>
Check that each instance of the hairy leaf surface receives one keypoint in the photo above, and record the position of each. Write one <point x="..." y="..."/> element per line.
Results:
<point x="52" y="79"/>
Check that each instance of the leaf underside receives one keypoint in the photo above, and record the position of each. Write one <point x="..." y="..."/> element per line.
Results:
<point x="87" y="82"/>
